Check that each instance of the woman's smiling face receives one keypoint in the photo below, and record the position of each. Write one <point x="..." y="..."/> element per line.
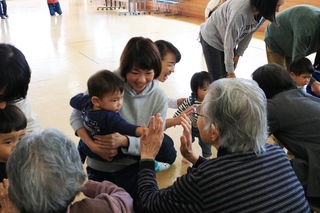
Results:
<point x="138" y="79"/>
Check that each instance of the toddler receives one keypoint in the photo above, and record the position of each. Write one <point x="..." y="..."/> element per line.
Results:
<point x="100" y="111"/>
<point x="301" y="70"/>
<point x="199" y="83"/>
<point x="13" y="125"/>
<point x="54" y="7"/>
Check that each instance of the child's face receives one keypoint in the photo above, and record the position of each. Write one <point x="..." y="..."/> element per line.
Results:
<point x="138" y="79"/>
<point x="168" y="65"/>
<point x="111" y="102"/>
<point x="301" y="80"/>
<point x="8" y="142"/>
<point x="202" y="91"/>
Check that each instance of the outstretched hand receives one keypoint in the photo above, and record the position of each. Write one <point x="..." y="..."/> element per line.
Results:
<point x="151" y="139"/>
<point x="186" y="141"/>
<point x="5" y="203"/>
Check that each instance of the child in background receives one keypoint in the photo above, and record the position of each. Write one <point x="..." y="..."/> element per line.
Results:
<point x="99" y="111"/>
<point x="54" y="7"/>
<point x="199" y="83"/>
<point x="301" y="70"/>
<point x="3" y="11"/>
<point x="13" y="125"/>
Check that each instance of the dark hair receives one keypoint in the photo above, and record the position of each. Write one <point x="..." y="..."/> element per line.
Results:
<point x="301" y="65"/>
<point x="266" y="8"/>
<point x="166" y="47"/>
<point x="15" y="73"/>
<point x="140" y="53"/>
<point x="104" y="82"/>
<point x="273" y="79"/>
<point x="199" y="80"/>
<point x="12" y="119"/>
<point x="316" y="63"/>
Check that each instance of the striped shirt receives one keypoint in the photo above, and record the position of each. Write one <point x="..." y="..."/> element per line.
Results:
<point x="239" y="182"/>
<point x="187" y="103"/>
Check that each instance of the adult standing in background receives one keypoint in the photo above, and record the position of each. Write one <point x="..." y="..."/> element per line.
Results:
<point x="298" y="35"/>
<point x="212" y="6"/>
<point x="227" y="33"/>
<point x="3" y="11"/>
<point x="15" y="75"/>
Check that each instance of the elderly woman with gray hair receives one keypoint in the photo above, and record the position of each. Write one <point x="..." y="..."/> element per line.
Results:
<point x="247" y="176"/>
<point x="46" y="174"/>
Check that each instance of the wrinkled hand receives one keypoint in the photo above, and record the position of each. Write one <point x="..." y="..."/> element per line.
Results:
<point x="315" y="87"/>
<point x="5" y="203"/>
<point x="186" y="141"/>
<point x="151" y="139"/>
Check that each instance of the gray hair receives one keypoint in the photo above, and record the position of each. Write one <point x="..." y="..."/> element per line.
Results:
<point x="45" y="172"/>
<point x="237" y="108"/>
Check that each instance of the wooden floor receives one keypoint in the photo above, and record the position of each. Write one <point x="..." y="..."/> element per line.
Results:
<point x="63" y="51"/>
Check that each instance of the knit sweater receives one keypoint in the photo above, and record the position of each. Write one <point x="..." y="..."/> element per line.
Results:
<point x="298" y="32"/>
<point x="239" y="182"/>
<point x="104" y="197"/>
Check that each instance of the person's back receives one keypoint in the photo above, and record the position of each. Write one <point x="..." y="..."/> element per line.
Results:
<point x="293" y="37"/>
<point x="293" y="116"/>
<point x="260" y="183"/>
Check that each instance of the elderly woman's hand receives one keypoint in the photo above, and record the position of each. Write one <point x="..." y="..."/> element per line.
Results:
<point x="151" y="139"/>
<point x="186" y="141"/>
<point x="5" y="203"/>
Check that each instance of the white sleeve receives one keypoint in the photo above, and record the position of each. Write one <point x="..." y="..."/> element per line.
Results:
<point x="172" y="103"/>
<point x="33" y="123"/>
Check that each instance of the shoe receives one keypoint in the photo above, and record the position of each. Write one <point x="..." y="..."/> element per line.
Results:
<point x="3" y="17"/>
<point x="6" y="16"/>
<point x="160" y="166"/>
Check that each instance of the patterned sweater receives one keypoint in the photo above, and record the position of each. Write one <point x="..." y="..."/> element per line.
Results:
<point x="239" y="182"/>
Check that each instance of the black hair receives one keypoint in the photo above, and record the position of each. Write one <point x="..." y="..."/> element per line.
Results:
<point x="266" y="8"/>
<point x="140" y="53"/>
<point x="199" y="80"/>
<point x="166" y="47"/>
<point x="273" y="79"/>
<point x="104" y="82"/>
<point x="301" y="65"/>
<point x="12" y="119"/>
<point x="15" y="73"/>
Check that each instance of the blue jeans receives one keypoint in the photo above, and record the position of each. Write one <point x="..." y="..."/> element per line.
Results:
<point x="214" y="60"/>
<point x="53" y="8"/>
<point x="3" y="10"/>
<point x="206" y="148"/>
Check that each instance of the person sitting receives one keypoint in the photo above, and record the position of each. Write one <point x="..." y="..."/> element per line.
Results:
<point x="46" y="174"/>
<point x="293" y="116"/>
<point x="14" y="84"/>
<point x="247" y="176"/>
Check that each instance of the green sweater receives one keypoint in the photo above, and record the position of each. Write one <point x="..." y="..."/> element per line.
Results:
<point x="298" y="33"/>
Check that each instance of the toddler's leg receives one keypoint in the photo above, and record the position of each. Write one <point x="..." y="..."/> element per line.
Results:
<point x="57" y="8"/>
<point x="51" y="9"/>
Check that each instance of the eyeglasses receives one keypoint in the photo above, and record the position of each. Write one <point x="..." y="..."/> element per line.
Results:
<point x="196" y="111"/>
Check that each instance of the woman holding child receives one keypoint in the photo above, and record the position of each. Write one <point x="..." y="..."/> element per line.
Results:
<point x="140" y="64"/>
